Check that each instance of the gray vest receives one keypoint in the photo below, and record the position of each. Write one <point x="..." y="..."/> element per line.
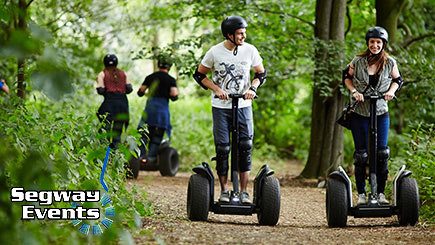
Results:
<point x="361" y="81"/>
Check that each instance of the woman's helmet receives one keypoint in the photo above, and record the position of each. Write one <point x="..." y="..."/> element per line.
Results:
<point x="231" y="24"/>
<point x="110" y="60"/>
<point x="377" y="32"/>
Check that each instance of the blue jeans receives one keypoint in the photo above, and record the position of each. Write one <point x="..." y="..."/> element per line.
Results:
<point x="222" y="121"/>
<point x="360" y="128"/>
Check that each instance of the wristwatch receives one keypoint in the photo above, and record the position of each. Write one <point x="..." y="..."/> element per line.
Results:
<point x="253" y="89"/>
<point x="353" y="91"/>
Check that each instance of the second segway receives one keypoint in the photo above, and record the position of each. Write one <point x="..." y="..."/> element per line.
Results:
<point x="200" y="192"/>
<point x="339" y="189"/>
<point x="167" y="162"/>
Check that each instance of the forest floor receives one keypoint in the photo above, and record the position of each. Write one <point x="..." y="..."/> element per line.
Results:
<point x="302" y="218"/>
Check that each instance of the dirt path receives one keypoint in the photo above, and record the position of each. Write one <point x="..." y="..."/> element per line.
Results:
<point x="302" y="219"/>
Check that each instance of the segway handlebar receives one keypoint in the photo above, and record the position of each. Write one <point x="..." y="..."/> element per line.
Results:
<point x="235" y="96"/>
<point x="377" y="97"/>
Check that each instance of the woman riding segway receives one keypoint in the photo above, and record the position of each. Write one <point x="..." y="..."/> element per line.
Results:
<point x="377" y="69"/>
<point x="113" y="84"/>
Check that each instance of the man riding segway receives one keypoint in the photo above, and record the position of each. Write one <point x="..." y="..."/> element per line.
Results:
<point x="231" y="61"/>
<point x="161" y="87"/>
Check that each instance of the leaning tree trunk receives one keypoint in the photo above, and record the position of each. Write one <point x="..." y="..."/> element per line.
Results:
<point x="155" y="44"/>
<point x="387" y="13"/>
<point x="326" y="143"/>
<point x="21" y="63"/>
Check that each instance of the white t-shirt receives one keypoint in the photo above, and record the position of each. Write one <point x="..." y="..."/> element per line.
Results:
<point x="231" y="73"/>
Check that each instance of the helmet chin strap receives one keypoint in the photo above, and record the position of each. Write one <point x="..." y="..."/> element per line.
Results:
<point x="236" y="49"/>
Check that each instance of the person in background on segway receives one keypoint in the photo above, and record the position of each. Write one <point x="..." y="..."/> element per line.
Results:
<point x="3" y="86"/>
<point x="161" y="87"/>
<point x="113" y="84"/>
<point x="377" y="69"/>
<point x="231" y="61"/>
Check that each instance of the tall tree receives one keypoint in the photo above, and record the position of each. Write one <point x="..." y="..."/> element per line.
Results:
<point x="326" y="143"/>
<point x="387" y="13"/>
<point x="21" y="24"/>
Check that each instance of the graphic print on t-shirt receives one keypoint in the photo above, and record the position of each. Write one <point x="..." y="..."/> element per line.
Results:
<point x="229" y="78"/>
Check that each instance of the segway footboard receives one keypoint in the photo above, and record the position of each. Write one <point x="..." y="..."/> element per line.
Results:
<point x="233" y="208"/>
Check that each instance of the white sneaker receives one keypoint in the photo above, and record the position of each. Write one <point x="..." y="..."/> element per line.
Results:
<point x="362" y="199"/>
<point x="225" y="196"/>
<point x="382" y="199"/>
<point x="244" y="197"/>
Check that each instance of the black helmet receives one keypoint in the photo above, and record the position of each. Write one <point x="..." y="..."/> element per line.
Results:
<point x="231" y="24"/>
<point x="164" y="64"/>
<point x="110" y="60"/>
<point x="377" y="32"/>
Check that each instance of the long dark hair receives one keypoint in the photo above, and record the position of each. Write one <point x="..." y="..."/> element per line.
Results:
<point x="114" y="73"/>
<point x="378" y="59"/>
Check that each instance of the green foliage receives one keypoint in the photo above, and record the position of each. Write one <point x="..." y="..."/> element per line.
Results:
<point x="55" y="146"/>
<point x="420" y="158"/>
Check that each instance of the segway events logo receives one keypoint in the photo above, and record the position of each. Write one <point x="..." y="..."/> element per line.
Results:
<point x="46" y="198"/>
<point x="77" y="211"/>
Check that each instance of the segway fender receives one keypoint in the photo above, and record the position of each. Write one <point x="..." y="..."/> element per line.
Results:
<point x="341" y="174"/>
<point x="262" y="173"/>
<point x="205" y="171"/>
<point x="164" y="144"/>
<point x="401" y="173"/>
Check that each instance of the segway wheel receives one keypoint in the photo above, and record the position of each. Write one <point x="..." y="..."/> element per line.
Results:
<point x="198" y="198"/>
<point x="168" y="161"/>
<point x="270" y="202"/>
<point x="337" y="203"/>
<point x="409" y="202"/>
<point x="132" y="168"/>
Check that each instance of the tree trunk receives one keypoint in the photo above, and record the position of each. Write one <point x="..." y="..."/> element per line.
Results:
<point x="21" y="63"/>
<point x="155" y="44"/>
<point x="326" y="143"/>
<point x="387" y="13"/>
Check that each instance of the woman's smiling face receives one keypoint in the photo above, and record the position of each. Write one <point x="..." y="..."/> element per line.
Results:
<point x="375" y="45"/>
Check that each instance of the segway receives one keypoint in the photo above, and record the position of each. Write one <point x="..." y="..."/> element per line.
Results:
<point x="405" y="203"/>
<point x="200" y="192"/>
<point x="167" y="161"/>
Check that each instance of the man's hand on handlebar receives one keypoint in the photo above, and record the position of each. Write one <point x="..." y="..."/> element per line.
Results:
<point x="249" y="95"/>
<point x="221" y="94"/>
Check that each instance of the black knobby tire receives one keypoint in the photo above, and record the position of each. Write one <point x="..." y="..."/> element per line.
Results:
<point x="132" y="170"/>
<point x="409" y="202"/>
<point x="270" y="202"/>
<point x="168" y="161"/>
<point x="198" y="198"/>
<point x="337" y="203"/>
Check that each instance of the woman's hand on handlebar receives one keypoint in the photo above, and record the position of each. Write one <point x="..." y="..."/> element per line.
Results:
<point x="221" y="94"/>
<point x="249" y="95"/>
<point x="389" y="95"/>
<point x="358" y="96"/>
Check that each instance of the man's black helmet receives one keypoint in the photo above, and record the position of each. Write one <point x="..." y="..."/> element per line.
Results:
<point x="110" y="60"/>
<point x="377" y="32"/>
<point x="164" y="64"/>
<point x="231" y="24"/>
